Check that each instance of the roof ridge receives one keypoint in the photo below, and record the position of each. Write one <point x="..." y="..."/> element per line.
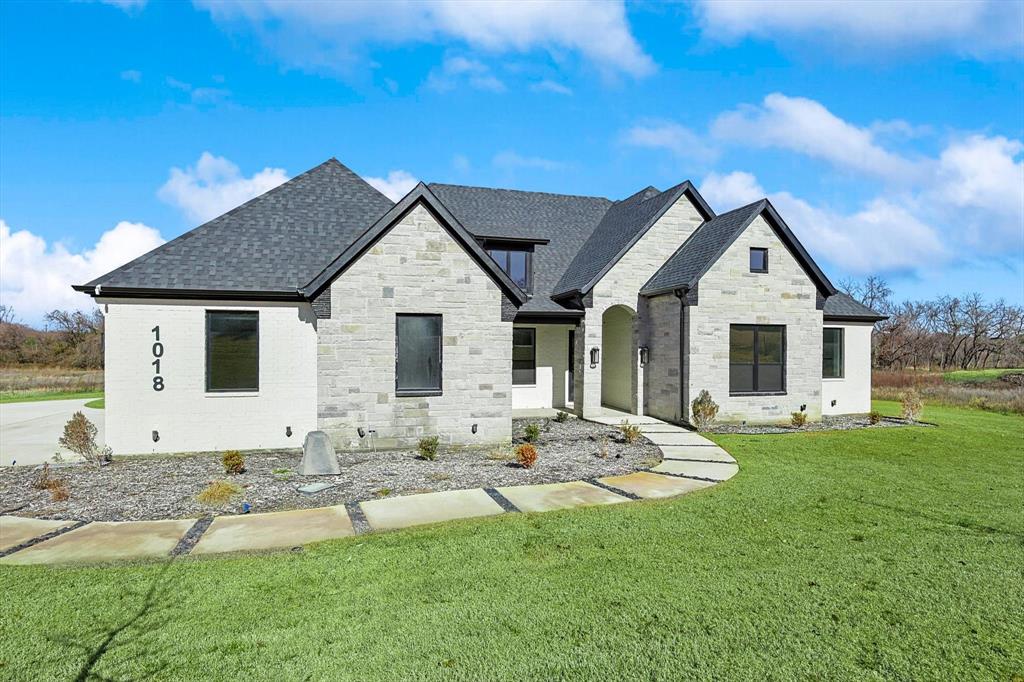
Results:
<point x="519" y="191"/>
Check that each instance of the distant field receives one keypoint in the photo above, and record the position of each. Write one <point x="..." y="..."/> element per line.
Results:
<point x="974" y="376"/>
<point x="27" y="383"/>
<point x="981" y="389"/>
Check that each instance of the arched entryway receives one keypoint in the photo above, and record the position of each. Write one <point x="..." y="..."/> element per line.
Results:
<point x="618" y="370"/>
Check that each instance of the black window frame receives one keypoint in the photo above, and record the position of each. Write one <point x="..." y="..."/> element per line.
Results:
<point x="761" y="250"/>
<point x="842" y="352"/>
<point x="237" y="313"/>
<point x="756" y="360"/>
<point x="420" y="392"/>
<point x="533" y="345"/>
<point x="505" y="248"/>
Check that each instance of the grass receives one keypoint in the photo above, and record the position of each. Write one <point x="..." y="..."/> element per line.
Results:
<point x="97" y="404"/>
<point x="36" y="396"/>
<point x="881" y="554"/>
<point x="973" y="376"/>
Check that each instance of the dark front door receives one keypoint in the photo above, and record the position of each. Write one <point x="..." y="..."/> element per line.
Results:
<point x="572" y="366"/>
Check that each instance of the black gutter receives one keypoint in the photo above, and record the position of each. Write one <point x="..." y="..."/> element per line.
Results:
<point x="851" y="318"/>
<point x="97" y="291"/>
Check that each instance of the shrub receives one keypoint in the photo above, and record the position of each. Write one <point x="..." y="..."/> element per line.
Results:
<point x="561" y="416"/>
<point x="502" y="453"/>
<point x="874" y="416"/>
<point x="630" y="432"/>
<point x="382" y="492"/>
<point x="233" y="462"/>
<point x="526" y="455"/>
<point x="911" y="403"/>
<point x="42" y="479"/>
<point x="58" y="490"/>
<point x="532" y="432"/>
<point x="705" y="410"/>
<point x="80" y="437"/>
<point x="603" y="451"/>
<point x="798" y="419"/>
<point x="219" y="492"/>
<point x="428" y="448"/>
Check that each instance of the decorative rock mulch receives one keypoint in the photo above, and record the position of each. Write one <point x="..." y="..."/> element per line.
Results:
<point x="165" y="487"/>
<point x="828" y="423"/>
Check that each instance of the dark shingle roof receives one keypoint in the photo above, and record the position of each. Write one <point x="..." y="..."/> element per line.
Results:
<point x="701" y="250"/>
<point x="566" y="220"/>
<point x="620" y="227"/>
<point x="843" y="306"/>
<point x="276" y="242"/>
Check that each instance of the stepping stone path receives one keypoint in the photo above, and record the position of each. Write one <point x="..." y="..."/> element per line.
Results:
<point x="690" y="462"/>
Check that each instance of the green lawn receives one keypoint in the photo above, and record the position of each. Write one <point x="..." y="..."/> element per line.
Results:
<point x="97" y="404"/>
<point x="36" y="396"/>
<point x="883" y="554"/>
<point x="975" y="376"/>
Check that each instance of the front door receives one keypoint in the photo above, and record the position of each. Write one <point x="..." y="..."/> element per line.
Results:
<point x="572" y="367"/>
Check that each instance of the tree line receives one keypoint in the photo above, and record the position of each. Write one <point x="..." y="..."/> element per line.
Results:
<point x="72" y="338"/>
<point x="945" y="333"/>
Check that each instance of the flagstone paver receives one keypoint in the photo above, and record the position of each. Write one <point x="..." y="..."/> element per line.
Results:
<point x="15" y="530"/>
<point x="662" y="428"/>
<point x="704" y="453"/>
<point x="653" y="486"/>
<point x="538" y="498"/>
<point x="413" y="510"/>
<point x="274" y="530"/>
<point x="677" y="438"/>
<point x="106" y="541"/>
<point x="718" y="471"/>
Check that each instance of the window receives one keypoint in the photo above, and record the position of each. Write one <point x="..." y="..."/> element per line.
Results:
<point x="524" y="356"/>
<point x="757" y="358"/>
<point x="418" y="354"/>
<point x="759" y="260"/>
<point x="232" y="351"/>
<point x="517" y="264"/>
<point x="832" y="353"/>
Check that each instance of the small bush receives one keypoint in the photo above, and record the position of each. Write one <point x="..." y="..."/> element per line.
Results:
<point x="382" y="492"/>
<point x="233" y="462"/>
<point x="603" y="448"/>
<point x="526" y="455"/>
<point x="80" y="438"/>
<point x="705" y="410"/>
<point x="532" y="432"/>
<point x="502" y="453"/>
<point x="428" y="448"/>
<point x="42" y="479"/>
<point x="630" y="432"/>
<point x="58" y="490"/>
<point x="219" y="492"/>
<point x="911" y="403"/>
<point x="798" y="419"/>
<point x="874" y="416"/>
<point x="561" y="416"/>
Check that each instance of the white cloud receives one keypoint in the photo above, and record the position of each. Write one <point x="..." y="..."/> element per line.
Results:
<point x="36" y="277"/>
<point x="509" y="160"/>
<point x="682" y="142"/>
<point x="805" y="126"/>
<point x="461" y="163"/>
<point x="200" y="95"/>
<point x="129" y="6"/>
<point x="455" y="70"/>
<point x="132" y="76"/>
<point x="328" y="36"/>
<point x="551" y="86"/>
<point x="980" y="28"/>
<point x="881" y="236"/>
<point x="215" y="186"/>
<point x="396" y="185"/>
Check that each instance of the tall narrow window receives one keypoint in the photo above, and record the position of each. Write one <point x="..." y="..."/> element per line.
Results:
<point x="517" y="264"/>
<point x="417" y="354"/>
<point x="524" y="356"/>
<point x="832" y="353"/>
<point x="232" y="351"/>
<point x="757" y="358"/>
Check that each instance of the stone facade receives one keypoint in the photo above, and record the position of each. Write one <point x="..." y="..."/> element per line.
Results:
<point x="416" y="267"/>
<point x="659" y="318"/>
<point x="731" y="294"/>
<point x="621" y="286"/>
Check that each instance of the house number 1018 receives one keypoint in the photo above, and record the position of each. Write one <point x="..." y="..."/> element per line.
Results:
<point x="158" y="352"/>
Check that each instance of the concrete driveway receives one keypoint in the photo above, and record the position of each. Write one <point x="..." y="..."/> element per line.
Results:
<point x="29" y="431"/>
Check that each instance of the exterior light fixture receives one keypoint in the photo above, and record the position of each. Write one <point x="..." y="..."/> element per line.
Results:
<point x="361" y="432"/>
<point x="834" y="403"/>
<point x="156" y="436"/>
<point x="645" y="355"/>
<point x="288" y="431"/>
<point x="474" y="428"/>
<point x="803" y="408"/>
<point x="595" y="356"/>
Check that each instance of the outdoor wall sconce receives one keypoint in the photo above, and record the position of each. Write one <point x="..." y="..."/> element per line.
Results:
<point x="474" y="428"/>
<point x="595" y="356"/>
<point x="288" y="431"/>
<point x="834" y="403"/>
<point x="361" y="432"/>
<point x="645" y="355"/>
<point x="803" y="408"/>
<point x="156" y="436"/>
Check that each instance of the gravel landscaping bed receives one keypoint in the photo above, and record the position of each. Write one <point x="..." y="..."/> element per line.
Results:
<point x="163" y="487"/>
<point x="829" y="423"/>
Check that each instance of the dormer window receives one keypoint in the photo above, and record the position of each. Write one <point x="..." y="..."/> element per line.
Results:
<point x="516" y="262"/>
<point x="759" y="260"/>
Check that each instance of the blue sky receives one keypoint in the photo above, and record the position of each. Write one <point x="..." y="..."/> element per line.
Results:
<point x="888" y="136"/>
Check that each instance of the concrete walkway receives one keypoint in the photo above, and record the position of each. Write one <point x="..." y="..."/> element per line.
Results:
<point x="29" y="431"/>
<point x="690" y="462"/>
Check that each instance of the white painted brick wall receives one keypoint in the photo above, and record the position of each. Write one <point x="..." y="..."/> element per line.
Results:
<point x="187" y="418"/>
<point x="852" y="393"/>
<point x="415" y="268"/>
<point x="730" y="294"/>
<point x="551" y="388"/>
